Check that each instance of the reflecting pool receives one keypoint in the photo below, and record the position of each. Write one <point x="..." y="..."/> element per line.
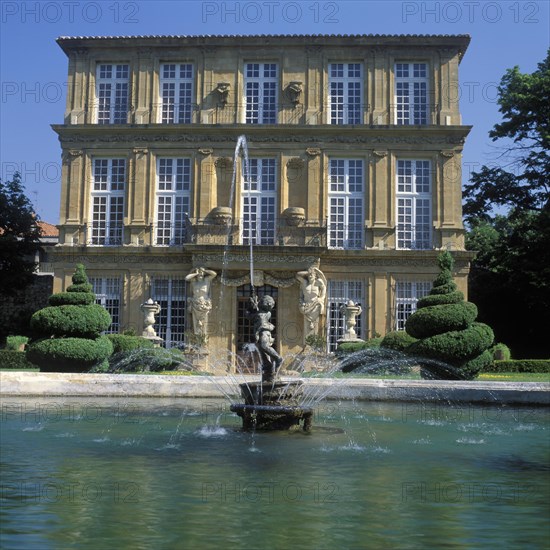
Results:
<point x="181" y="474"/>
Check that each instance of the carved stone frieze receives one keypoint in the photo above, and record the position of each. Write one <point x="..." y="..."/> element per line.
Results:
<point x="283" y="138"/>
<point x="260" y="278"/>
<point x="258" y="258"/>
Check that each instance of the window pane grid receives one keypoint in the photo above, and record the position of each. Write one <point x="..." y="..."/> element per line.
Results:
<point x="346" y="91"/>
<point x="338" y="293"/>
<point x="176" y="90"/>
<point x="112" y="93"/>
<point x="414" y="216"/>
<point x="173" y="200"/>
<point x="407" y="294"/>
<point x="108" y="291"/>
<point x="170" y="293"/>
<point x="107" y="202"/>
<point x="261" y="88"/>
<point x="346" y="203"/>
<point x="259" y="202"/>
<point x="411" y="93"/>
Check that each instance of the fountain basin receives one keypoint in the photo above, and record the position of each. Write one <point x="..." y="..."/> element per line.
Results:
<point x="273" y="406"/>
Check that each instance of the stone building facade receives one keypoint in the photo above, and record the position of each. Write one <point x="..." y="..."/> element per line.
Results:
<point x="354" y="147"/>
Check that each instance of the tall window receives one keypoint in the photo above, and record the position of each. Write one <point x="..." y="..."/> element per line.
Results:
<point x="260" y="87"/>
<point x="411" y="93"/>
<point x="338" y="293"/>
<point x="346" y="197"/>
<point x="176" y="92"/>
<point x="407" y="294"/>
<point x="112" y="85"/>
<point x="173" y="202"/>
<point x="171" y="296"/>
<point x="109" y="182"/>
<point x="108" y="291"/>
<point x="414" y="204"/>
<point x="259" y="202"/>
<point x="346" y="92"/>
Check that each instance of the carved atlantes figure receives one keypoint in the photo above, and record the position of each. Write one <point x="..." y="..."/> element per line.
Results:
<point x="312" y="303"/>
<point x="200" y="303"/>
<point x="260" y="313"/>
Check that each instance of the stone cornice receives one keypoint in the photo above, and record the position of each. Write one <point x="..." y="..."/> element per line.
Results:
<point x="317" y="135"/>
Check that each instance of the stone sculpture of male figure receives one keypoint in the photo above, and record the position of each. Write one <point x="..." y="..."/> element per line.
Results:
<point x="200" y="302"/>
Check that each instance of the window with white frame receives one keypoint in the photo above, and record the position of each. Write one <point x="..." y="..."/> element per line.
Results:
<point x="107" y="204"/>
<point x="259" y="200"/>
<point x="338" y="294"/>
<point x="260" y="88"/>
<point x="173" y="200"/>
<point x="411" y="93"/>
<point x="170" y="293"/>
<point x="346" y="199"/>
<point x="176" y="93"/>
<point x="345" y="93"/>
<point x="112" y="88"/>
<point x="407" y="294"/>
<point x="108" y="292"/>
<point x="414" y="204"/>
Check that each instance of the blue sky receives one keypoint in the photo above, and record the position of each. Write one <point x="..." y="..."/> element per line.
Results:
<point x="33" y="68"/>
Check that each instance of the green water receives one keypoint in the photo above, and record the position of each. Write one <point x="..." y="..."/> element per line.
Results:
<point x="156" y="474"/>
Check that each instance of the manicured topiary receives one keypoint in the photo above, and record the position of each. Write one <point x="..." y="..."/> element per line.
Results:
<point x="446" y="329"/>
<point x="68" y="332"/>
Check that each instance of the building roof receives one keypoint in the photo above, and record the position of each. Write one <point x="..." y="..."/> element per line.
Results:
<point x="459" y="41"/>
<point x="47" y="229"/>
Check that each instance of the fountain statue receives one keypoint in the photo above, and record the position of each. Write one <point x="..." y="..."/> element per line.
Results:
<point x="200" y="303"/>
<point x="271" y="403"/>
<point x="312" y="303"/>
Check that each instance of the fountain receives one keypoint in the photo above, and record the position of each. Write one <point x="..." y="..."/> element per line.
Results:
<point x="269" y="404"/>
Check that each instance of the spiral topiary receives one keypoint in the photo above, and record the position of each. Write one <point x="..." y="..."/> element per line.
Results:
<point x="68" y="331"/>
<point x="445" y="326"/>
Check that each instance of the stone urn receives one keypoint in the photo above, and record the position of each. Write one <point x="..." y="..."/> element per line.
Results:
<point x="294" y="216"/>
<point x="221" y="215"/>
<point x="350" y="311"/>
<point x="150" y="309"/>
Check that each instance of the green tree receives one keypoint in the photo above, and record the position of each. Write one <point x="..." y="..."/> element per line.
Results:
<point x="523" y="183"/>
<point x="19" y="234"/>
<point x="510" y="276"/>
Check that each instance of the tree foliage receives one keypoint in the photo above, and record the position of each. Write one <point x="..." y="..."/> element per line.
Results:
<point x="19" y="234"/>
<point x="523" y="182"/>
<point x="510" y="276"/>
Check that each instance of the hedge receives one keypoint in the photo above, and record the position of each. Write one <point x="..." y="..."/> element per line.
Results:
<point x="350" y="347"/>
<point x="10" y="359"/>
<point x="122" y="342"/>
<point x="78" y="321"/>
<point x="69" y="354"/>
<point x="13" y="343"/>
<point x="519" y="365"/>
<point x="146" y="360"/>
<point x="398" y="340"/>
<point x="433" y="320"/>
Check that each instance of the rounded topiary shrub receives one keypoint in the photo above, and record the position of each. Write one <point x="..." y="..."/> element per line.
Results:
<point x="67" y="333"/>
<point x="445" y="326"/>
